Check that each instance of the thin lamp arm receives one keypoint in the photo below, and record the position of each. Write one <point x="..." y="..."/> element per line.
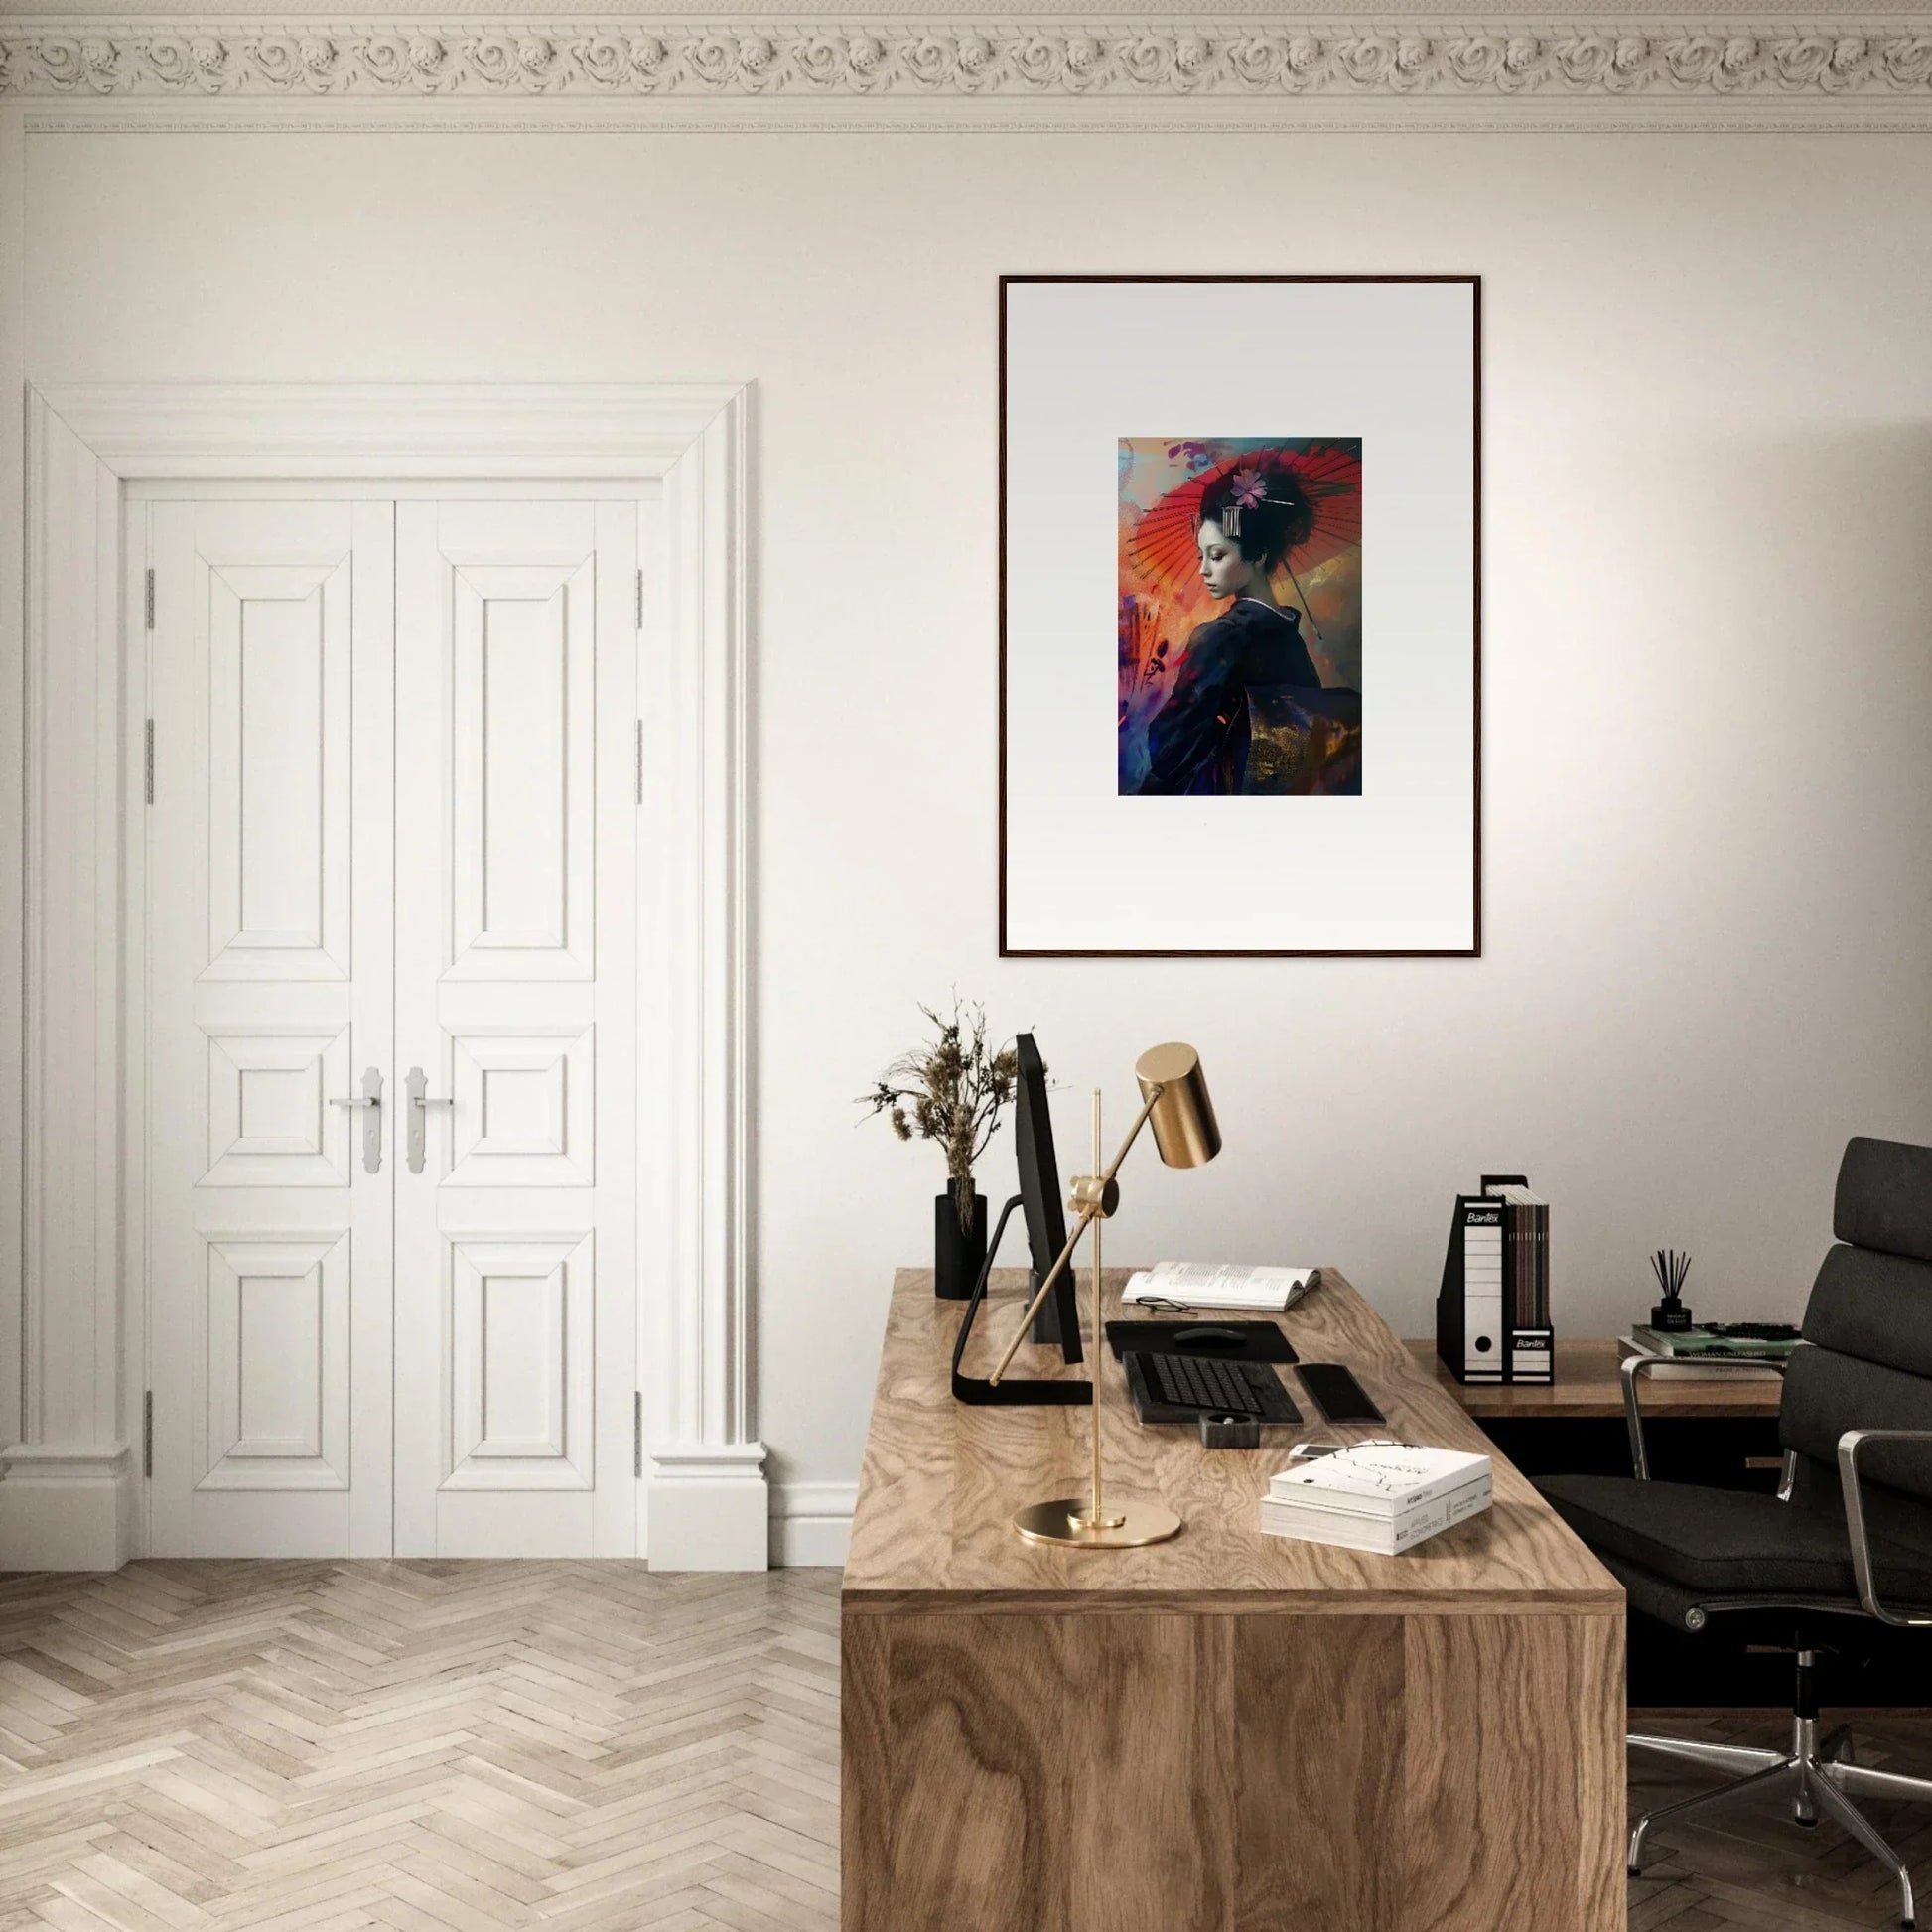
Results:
<point x="1088" y="1215"/>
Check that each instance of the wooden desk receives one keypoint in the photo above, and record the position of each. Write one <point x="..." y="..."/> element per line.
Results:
<point x="1588" y="1385"/>
<point x="1226" y="1733"/>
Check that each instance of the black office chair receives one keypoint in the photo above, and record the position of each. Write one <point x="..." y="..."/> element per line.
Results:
<point x="1849" y="1536"/>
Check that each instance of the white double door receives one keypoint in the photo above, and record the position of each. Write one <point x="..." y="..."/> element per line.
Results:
<point x="392" y="1013"/>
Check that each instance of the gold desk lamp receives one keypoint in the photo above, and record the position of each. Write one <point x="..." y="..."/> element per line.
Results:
<point x="1175" y="1100"/>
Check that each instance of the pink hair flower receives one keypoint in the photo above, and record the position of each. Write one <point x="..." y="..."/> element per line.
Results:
<point x="1249" y="488"/>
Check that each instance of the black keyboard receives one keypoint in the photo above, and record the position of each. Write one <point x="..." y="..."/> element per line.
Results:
<point x="1212" y="1387"/>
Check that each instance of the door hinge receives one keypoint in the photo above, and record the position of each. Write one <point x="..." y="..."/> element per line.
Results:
<point x="149" y="598"/>
<point x="148" y="763"/>
<point x="640" y="598"/>
<point x="638" y="1433"/>
<point x="641" y="760"/>
<point x="147" y="1433"/>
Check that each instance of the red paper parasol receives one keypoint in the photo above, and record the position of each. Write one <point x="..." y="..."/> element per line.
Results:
<point x="1162" y="548"/>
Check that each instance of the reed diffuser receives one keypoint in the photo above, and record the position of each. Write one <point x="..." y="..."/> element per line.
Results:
<point x="1670" y="1314"/>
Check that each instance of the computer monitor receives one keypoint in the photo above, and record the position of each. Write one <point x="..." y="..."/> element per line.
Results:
<point x="1039" y="1194"/>
<point x="1039" y="1199"/>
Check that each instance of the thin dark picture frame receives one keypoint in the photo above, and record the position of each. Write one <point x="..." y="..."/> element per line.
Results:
<point x="1471" y="951"/>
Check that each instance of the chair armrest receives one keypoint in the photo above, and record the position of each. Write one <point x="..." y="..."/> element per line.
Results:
<point x="1634" y="1366"/>
<point x="1848" y="1446"/>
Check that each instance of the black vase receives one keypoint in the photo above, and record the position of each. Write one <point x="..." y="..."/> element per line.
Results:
<point x="958" y="1254"/>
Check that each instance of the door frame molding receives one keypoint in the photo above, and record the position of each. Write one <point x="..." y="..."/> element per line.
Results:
<point x="71" y="1456"/>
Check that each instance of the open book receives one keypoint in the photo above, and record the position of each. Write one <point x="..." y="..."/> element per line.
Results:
<point x="1218" y="1284"/>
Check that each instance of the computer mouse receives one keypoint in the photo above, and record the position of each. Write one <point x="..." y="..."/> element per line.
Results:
<point x="1207" y="1338"/>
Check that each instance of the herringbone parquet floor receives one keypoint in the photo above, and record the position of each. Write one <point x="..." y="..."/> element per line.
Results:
<point x="431" y="1746"/>
<point x="459" y="1747"/>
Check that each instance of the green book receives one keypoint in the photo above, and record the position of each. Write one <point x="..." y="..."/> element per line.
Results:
<point x="1701" y="1342"/>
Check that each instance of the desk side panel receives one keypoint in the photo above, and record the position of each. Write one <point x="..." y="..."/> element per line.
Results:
<point x="1034" y="1774"/>
<point x="1148" y="1704"/>
<point x="1144" y="1772"/>
<point x="1514" y="1774"/>
<point x="865" y="1763"/>
<point x="1317" y="1725"/>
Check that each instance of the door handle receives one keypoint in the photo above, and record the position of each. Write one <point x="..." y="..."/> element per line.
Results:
<point x="370" y="1098"/>
<point x="420" y="1102"/>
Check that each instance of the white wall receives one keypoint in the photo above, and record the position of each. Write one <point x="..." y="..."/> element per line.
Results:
<point x="1708" y="448"/>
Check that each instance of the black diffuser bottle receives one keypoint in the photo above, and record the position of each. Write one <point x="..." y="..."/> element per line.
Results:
<point x="1670" y="1317"/>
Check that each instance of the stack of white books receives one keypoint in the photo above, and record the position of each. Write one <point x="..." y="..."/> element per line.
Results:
<point x="1380" y="1496"/>
<point x="1220" y="1285"/>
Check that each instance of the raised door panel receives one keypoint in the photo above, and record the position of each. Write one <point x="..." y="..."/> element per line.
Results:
<point x="270" y="995"/>
<point x="278" y="769"/>
<point x="522" y="1321"/>
<point x="524" y="1109"/>
<point x="277" y="1414"/>
<point x="523" y="838"/>
<point x="270" y="1118"/>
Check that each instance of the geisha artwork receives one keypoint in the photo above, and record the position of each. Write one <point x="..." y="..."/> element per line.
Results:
<point x="1269" y="487"/>
<point x="1240" y="617"/>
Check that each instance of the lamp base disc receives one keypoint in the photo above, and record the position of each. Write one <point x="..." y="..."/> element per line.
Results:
<point x="1062" y="1521"/>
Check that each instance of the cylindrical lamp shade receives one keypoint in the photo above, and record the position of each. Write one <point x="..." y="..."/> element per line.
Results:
<point x="1184" y="1128"/>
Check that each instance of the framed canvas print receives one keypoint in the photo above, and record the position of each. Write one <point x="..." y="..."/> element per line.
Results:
<point x="1239" y="615"/>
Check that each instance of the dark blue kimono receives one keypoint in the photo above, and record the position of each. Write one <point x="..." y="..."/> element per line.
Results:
<point x="1197" y="741"/>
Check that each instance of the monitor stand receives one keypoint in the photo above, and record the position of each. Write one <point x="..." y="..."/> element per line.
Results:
<point x="1012" y="1391"/>
<point x="1046" y="1323"/>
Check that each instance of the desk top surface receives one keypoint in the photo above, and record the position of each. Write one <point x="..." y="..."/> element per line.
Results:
<point x="942" y="1478"/>
<point x="1588" y="1385"/>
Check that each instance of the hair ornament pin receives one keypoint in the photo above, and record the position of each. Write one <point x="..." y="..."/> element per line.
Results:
<point x="1249" y="491"/>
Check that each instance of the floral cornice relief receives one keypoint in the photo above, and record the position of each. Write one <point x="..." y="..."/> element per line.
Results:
<point x="1012" y="61"/>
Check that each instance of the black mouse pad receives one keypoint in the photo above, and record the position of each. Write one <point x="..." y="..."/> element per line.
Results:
<point x="1237" y="1342"/>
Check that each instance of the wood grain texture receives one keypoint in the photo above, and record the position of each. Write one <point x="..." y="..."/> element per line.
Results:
<point x="941" y="1480"/>
<point x="1137" y="1772"/>
<point x="1588" y="1385"/>
<point x="1319" y="1814"/>
<point x="996" y="1798"/>
<point x="1514" y="1773"/>
<point x="865" y="1735"/>
<point x="1062" y="1772"/>
<point x="975" y="1781"/>
<point x="1148" y="1702"/>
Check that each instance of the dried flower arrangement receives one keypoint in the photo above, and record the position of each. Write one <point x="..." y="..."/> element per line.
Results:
<point x="951" y="1090"/>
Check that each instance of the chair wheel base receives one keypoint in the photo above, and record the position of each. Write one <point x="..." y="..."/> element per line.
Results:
<point x="1810" y="1823"/>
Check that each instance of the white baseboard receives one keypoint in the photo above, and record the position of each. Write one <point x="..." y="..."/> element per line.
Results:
<point x="65" y="1508"/>
<point x="811" y="1524"/>
<point x="74" y="1510"/>
<point x="710" y="1508"/>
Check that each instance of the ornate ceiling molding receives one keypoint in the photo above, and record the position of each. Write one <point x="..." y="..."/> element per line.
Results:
<point x="1875" y="76"/>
